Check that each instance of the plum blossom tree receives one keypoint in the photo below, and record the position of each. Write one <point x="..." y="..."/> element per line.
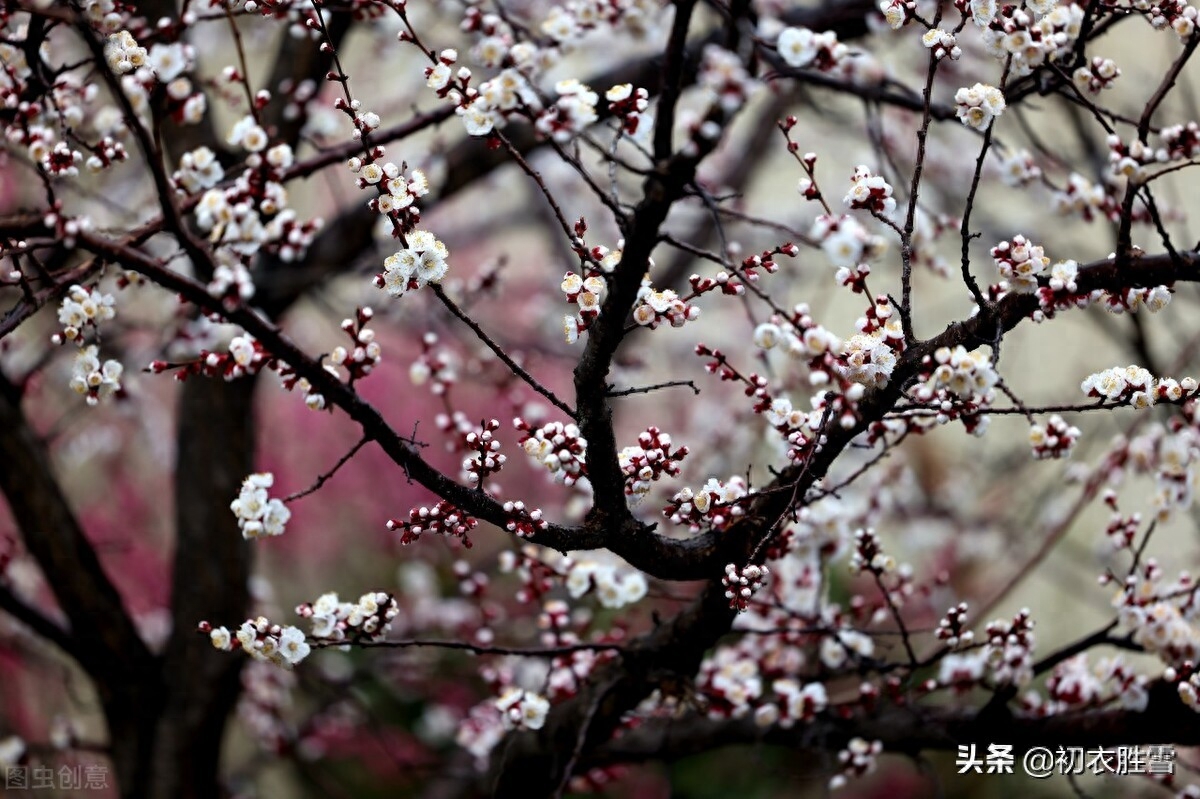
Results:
<point x="507" y="318"/>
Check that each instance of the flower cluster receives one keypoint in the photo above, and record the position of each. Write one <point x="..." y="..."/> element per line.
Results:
<point x="857" y="759"/>
<point x="521" y="522"/>
<point x="435" y="365"/>
<point x="397" y="193"/>
<point x="1055" y="439"/>
<point x="741" y="583"/>
<point x="869" y="358"/>
<point x="123" y="53"/>
<point x="257" y="514"/>
<point x="1029" y="36"/>
<point x="587" y="293"/>
<point x="845" y="241"/>
<point x="870" y="192"/>
<point x="82" y="308"/>
<point x="1179" y="142"/>
<point x="571" y="114"/>
<point x="1018" y="168"/>
<point x="365" y="351"/>
<point x="1010" y="649"/>
<point x="1020" y="262"/>
<point x="199" y="170"/>
<point x="94" y="380"/>
<point x="283" y="646"/>
<point x="941" y="44"/>
<point x="648" y="460"/>
<point x="799" y="704"/>
<point x="1135" y="386"/>
<point x="613" y="589"/>
<point x="558" y="447"/>
<point x="723" y="76"/>
<point x="958" y="384"/>
<point x="522" y="710"/>
<point x="1099" y="74"/>
<point x="250" y="214"/>
<point x="245" y="355"/>
<point x="443" y="519"/>
<point x="715" y="505"/>
<point x="368" y="619"/>
<point x="801" y="48"/>
<point x="978" y="105"/>
<point x="629" y="105"/>
<point x="655" y="307"/>
<point x="422" y="261"/>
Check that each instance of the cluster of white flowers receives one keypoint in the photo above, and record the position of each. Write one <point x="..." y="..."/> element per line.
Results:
<point x="742" y="583"/>
<point x="1010" y="649"/>
<point x="942" y="44"/>
<point x="571" y="114"/>
<point x="522" y="710"/>
<point x="422" y="262"/>
<point x="800" y="48"/>
<point x="1030" y="37"/>
<point x="978" y="105"/>
<point x="858" y="758"/>
<point x="1055" y="439"/>
<point x="123" y="53"/>
<point x="1018" y="167"/>
<point x="868" y="358"/>
<point x="716" y="504"/>
<point x="94" y="380"/>
<point x="557" y="446"/>
<point x="870" y="192"/>
<point x="400" y="191"/>
<point x="845" y="241"/>
<point x="1020" y="262"/>
<point x="368" y="619"/>
<point x="1099" y="74"/>
<point x="969" y="376"/>
<point x="845" y="645"/>
<point x="724" y="77"/>
<point x="250" y="213"/>
<point x="1135" y="386"/>
<point x="799" y="704"/>
<point x="647" y="461"/>
<point x="963" y="670"/>
<point x="259" y="515"/>
<point x="231" y="279"/>
<point x="82" y="307"/>
<point x="613" y="588"/>
<point x="283" y="646"/>
<point x="1178" y="14"/>
<point x="629" y="105"/>
<point x="248" y="134"/>
<point x="198" y="169"/>
<point x="1162" y="629"/>
<point x="487" y="110"/>
<point x="654" y="307"/>
<point x="732" y="675"/>
<point x="1081" y="196"/>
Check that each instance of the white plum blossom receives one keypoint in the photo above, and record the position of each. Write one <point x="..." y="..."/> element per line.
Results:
<point x="523" y="710"/>
<point x="248" y="135"/>
<point x="123" y="53"/>
<point x="978" y="105"/>
<point x="259" y="515"/>
<point x="82" y="307"/>
<point x="422" y="262"/>
<point x="94" y="380"/>
<point x="613" y="589"/>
